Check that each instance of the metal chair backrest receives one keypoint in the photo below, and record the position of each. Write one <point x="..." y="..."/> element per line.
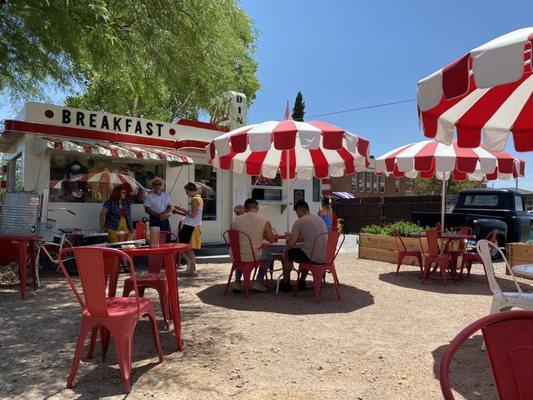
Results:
<point x="233" y="241"/>
<point x="509" y="340"/>
<point x="464" y="230"/>
<point x="400" y="245"/>
<point x="94" y="268"/>
<point x="332" y="246"/>
<point x="485" y="249"/>
<point x="432" y="237"/>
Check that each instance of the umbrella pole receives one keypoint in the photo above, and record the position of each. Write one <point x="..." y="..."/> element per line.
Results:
<point x="288" y="191"/>
<point x="443" y="202"/>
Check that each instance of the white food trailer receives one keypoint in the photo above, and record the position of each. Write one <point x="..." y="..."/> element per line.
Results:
<point x="47" y="146"/>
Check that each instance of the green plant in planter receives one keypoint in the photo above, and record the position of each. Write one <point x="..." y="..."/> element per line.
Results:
<point x="404" y="227"/>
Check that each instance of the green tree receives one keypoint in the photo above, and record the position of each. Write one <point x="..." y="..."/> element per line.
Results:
<point x="151" y="58"/>
<point x="425" y="187"/>
<point x="298" y="110"/>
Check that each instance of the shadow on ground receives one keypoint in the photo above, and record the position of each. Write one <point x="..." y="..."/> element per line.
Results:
<point x="303" y="303"/>
<point x="470" y="373"/>
<point x="38" y="361"/>
<point x="475" y="284"/>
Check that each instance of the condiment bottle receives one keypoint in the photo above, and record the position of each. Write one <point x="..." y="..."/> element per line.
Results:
<point x="139" y="230"/>
<point x="147" y="231"/>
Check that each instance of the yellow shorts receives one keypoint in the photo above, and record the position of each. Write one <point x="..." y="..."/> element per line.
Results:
<point x="112" y="233"/>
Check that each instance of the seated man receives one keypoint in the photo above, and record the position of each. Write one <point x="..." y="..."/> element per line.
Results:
<point x="258" y="229"/>
<point x="305" y="230"/>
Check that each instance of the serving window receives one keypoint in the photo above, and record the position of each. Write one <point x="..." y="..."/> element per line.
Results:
<point x="74" y="178"/>
<point x="266" y="189"/>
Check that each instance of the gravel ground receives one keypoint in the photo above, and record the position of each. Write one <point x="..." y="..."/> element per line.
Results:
<point x="383" y="340"/>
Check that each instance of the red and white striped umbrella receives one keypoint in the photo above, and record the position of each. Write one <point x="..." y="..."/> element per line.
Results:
<point x="488" y="91"/>
<point x="111" y="178"/>
<point x="294" y="149"/>
<point x="428" y="159"/>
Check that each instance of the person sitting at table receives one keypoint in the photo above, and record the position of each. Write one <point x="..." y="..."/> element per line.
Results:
<point x="326" y="212"/>
<point x="116" y="214"/>
<point x="305" y="230"/>
<point x="258" y="229"/>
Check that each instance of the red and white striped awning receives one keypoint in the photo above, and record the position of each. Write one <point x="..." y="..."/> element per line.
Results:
<point x="116" y="150"/>
<point x="488" y="91"/>
<point x="428" y="158"/>
<point x="310" y="148"/>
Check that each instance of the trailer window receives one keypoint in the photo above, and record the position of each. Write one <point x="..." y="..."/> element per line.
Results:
<point x="266" y="189"/>
<point x="481" y="200"/>
<point x="206" y="180"/>
<point x="518" y="204"/>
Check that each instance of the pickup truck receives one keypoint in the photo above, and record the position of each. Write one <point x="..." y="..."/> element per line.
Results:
<point x="485" y="210"/>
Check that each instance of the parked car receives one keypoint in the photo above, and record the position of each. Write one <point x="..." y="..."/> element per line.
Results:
<point x="485" y="210"/>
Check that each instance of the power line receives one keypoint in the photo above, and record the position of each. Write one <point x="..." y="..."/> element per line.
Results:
<point x="363" y="108"/>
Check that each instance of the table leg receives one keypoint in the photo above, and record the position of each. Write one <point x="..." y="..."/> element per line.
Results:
<point x="172" y="281"/>
<point x="23" y="259"/>
<point x="34" y="272"/>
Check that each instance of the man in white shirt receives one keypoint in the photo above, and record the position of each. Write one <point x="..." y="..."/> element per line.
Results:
<point x="157" y="205"/>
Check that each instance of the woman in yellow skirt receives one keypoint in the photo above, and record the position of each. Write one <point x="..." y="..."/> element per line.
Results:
<point x="190" y="231"/>
<point x="116" y="214"/>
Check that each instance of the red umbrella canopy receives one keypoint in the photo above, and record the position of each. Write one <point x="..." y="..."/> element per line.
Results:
<point x="487" y="92"/>
<point x="294" y="149"/>
<point x="428" y="159"/>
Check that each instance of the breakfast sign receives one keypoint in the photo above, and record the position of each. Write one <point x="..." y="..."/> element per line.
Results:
<point x="98" y="121"/>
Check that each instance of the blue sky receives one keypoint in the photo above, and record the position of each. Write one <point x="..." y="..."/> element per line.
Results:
<point x="348" y="54"/>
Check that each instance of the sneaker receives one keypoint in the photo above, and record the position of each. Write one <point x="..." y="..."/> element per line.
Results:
<point x="258" y="287"/>
<point x="237" y="287"/>
<point x="284" y="287"/>
<point x="302" y="285"/>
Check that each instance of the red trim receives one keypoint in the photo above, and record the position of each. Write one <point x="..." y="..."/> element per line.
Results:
<point x="327" y="192"/>
<point x="194" y="144"/>
<point x="203" y="125"/>
<point x="56" y="130"/>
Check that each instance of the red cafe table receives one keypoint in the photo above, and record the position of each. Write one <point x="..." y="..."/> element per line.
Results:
<point x="169" y="252"/>
<point x="25" y="243"/>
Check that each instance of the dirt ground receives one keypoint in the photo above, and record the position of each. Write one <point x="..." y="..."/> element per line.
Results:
<point x="383" y="340"/>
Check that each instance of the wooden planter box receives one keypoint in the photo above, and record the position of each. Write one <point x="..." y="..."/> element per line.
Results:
<point x="383" y="248"/>
<point x="519" y="254"/>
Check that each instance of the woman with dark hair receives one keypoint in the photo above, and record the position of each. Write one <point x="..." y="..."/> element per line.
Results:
<point x="326" y="212"/>
<point x="116" y="214"/>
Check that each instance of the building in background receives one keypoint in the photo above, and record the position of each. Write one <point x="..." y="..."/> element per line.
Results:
<point x="369" y="184"/>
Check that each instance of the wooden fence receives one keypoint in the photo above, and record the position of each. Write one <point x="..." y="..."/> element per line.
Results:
<point x="357" y="213"/>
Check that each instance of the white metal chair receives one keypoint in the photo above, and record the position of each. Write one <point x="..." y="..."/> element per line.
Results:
<point x="502" y="301"/>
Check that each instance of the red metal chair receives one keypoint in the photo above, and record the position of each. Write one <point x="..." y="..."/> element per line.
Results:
<point x="232" y="239"/>
<point x="434" y="255"/>
<point x="473" y="257"/>
<point x="509" y="340"/>
<point x="116" y="315"/>
<point x="403" y="252"/>
<point x="154" y="279"/>
<point x="318" y="271"/>
<point x="461" y="247"/>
